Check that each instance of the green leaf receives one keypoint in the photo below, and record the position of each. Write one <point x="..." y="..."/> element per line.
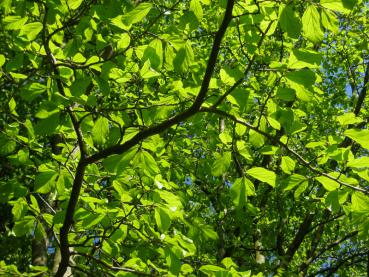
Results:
<point x="184" y="57"/>
<point x="311" y="24"/>
<point x="48" y="125"/>
<point x="359" y="163"/>
<point x="348" y="118"/>
<point x="287" y="164"/>
<point x="19" y="209"/>
<point x="229" y="76"/>
<point x="304" y="59"/>
<point x="74" y="4"/>
<point x="301" y="81"/>
<point x="45" y="181"/>
<point x="221" y="163"/>
<point x="31" y="30"/>
<point x="360" y="136"/>
<point x="241" y="188"/>
<point x="12" y="105"/>
<point x="228" y="263"/>
<point x="100" y="130"/>
<point x="332" y="201"/>
<point x="225" y="138"/>
<point x="18" y="75"/>
<point x="80" y="86"/>
<point x="328" y="183"/>
<point x="147" y="72"/>
<point x="14" y="22"/>
<point x="211" y="269"/>
<point x="146" y="162"/>
<point x="300" y="189"/>
<point x="2" y="60"/>
<point x="162" y="219"/>
<point x="31" y="91"/>
<point x="117" y="163"/>
<point x="336" y="5"/>
<point x="92" y="220"/>
<point x="24" y="226"/>
<point x="263" y="175"/>
<point x="303" y="77"/>
<point x="286" y="94"/>
<point x="295" y="180"/>
<point x="289" y="21"/>
<point x="15" y="62"/>
<point x="124" y="41"/>
<point x="34" y="204"/>
<point x="154" y="52"/>
<point x="330" y="21"/>
<point x="137" y="14"/>
<point x="359" y="202"/>
<point x="196" y="8"/>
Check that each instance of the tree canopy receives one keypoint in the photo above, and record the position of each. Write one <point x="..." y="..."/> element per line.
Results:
<point x="184" y="138"/>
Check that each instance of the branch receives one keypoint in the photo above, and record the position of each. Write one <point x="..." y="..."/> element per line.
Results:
<point x="299" y="237"/>
<point x="239" y="81"/>
<point x="119" y="149"/>
<point x="363" y="91"/>
<point x="333" y="269"/>
<point x="68" y="220"/>
<point x="156" y="129"/>
<point x="347" y="141"/>
<point x="328" y="247"/>
<point x="301" y="160"/>
<point x="114" y="268"/>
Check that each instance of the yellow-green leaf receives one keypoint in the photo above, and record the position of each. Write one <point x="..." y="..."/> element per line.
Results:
<point x="311" y="24"/>
<point x="327" y="183"/>
<point x="359" y="136"/>
<point x="263" y="175"/>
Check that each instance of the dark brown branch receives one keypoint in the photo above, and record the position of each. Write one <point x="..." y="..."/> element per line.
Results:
<point x="363" y="91"/>
<point x="118" y="149"/>
<point x="156" y="129"/>
<point x="299" y="237"/>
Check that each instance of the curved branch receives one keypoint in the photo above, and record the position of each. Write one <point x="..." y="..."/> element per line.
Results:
<point x="301" y="160"/>
<point x="119" y="149"/>
<point x="195" y="107"/>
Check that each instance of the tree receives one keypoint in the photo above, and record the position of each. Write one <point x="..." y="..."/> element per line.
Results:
<point x="184" y="138"/>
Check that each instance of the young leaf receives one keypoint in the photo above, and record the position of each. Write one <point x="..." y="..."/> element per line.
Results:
<point x="196" y="8"/>
<point x="330" y="21"/>
<point x="311" y="24"/>
<point x="289" y="21"/>
<point x="145" y="161"/>
<point x="162" y="219"/>
<point x="359" y="136"/>
<point x="359" y="162"/>
<point x="336" y="5"/>
<point x="359" y="202"/>
<point x="287" y="164"/>
<point x="263" y="175"/>
<point x="100" y="130"/>
<point x="45" y="181"/>
<point x="328" y="183"/>
<point x="221" y="163"/>
<point x="241" y="188"/>
<point x="138" y="13"/>
<point x="31" y="30"/>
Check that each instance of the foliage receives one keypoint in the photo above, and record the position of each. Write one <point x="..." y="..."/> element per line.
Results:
<point x="184" y="138"/>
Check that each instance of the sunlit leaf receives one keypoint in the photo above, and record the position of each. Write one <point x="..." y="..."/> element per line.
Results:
<point x="263" y="175"/>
